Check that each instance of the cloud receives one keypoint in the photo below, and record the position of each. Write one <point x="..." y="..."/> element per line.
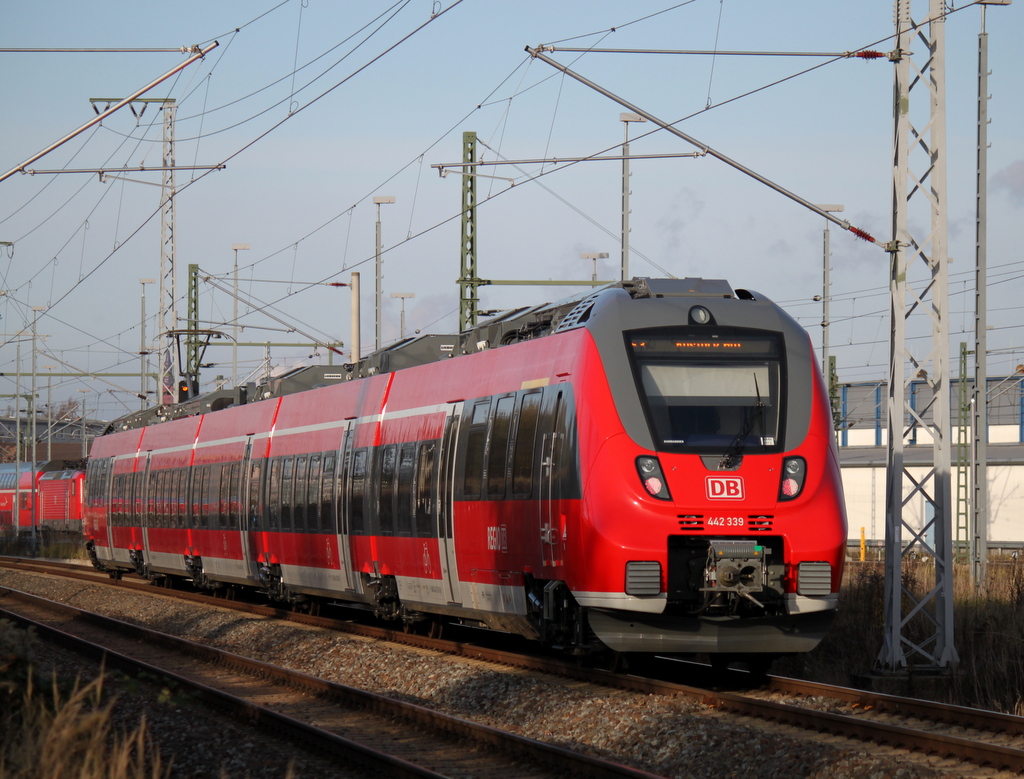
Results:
<point x="1010" y="180"/>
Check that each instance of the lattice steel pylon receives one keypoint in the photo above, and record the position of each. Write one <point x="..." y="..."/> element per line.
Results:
<point x="168" y="289"/>
<point x="919" y="625"/>
<point x="469" y="301"/>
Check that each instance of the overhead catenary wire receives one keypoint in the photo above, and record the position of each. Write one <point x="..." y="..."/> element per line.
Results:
<point x="350" y="211"/>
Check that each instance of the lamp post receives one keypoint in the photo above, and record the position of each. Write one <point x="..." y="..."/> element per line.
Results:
<point x="594" y="256"/>
<point x="403" y="296"/>
<point x="36" y="310"/>
<point x="143" y="351"/>
<point x="236" y="248"/>
<point x="626" y="117"/>
<point x="379" y="201"/>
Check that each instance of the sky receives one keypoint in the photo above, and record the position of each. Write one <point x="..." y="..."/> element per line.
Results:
<point x="315" y="107"/>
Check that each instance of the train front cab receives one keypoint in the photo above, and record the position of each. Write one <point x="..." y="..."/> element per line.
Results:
<point x="727" y="536"/>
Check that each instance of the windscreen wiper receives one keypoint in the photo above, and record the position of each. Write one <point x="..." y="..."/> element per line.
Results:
<point x="737" y="443"/>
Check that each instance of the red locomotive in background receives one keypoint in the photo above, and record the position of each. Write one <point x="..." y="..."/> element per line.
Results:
<point x="649" y="467"/>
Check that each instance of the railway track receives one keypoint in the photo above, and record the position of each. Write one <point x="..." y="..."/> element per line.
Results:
<point x="971" y="736"/>
<point x="393" y="737"/>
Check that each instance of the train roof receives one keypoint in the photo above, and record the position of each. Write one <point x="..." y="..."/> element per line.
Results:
<point x="502" y="329"/>
<point x="44" y="466"/>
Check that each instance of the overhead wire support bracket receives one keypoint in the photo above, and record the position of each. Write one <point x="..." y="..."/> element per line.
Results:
<point x="211" y="280"/>
<point x="104" y="173"/>
<point x="537" y="53"/>
<point x="197" y="54"/>
<point x="865" y="54"/>
<point x="443" y="168"/>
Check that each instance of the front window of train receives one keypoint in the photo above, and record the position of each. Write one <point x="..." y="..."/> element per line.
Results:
<point x="710" y="390"/>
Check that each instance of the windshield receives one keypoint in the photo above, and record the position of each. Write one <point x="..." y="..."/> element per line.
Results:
<point x="709" y="390"/>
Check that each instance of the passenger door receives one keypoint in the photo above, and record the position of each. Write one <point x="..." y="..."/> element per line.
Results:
<point x="446" y="504"/>
<point x="248" y="510"/>
<point x="339" y="510"/>
<point x="552" y="518"/>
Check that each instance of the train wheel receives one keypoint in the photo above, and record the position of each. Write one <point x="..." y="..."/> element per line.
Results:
<point x="719" y="666"/>
<point x="435" y="628"/>
<point x="611" y="661"/>
<point x="759" y="665"/>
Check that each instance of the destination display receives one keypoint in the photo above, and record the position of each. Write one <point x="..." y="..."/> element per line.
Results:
<point x="705" y="344"/>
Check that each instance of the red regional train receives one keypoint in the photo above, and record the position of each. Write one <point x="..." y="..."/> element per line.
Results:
<point x="57" y="498"/>
<point x="649" y="467"/>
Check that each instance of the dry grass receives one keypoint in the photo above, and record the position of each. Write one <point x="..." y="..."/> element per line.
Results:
<point x="988" y="633"/>
<point x="57" y="735"/>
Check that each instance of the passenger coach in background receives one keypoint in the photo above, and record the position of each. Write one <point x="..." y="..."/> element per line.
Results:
<point x="48" y="499"/>
<point x="649" y="467"/>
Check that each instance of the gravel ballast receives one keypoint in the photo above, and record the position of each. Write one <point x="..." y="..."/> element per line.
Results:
<point x="673" y="737"/>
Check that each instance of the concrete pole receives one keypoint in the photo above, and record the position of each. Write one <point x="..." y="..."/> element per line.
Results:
<point x="626" y="118"/>
<point x="355" y="318"/>
<point x="235" y="247"/>
<point x="378" y="201"/>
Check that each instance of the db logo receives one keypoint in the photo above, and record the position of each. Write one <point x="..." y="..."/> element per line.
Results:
<point x="724" y="487"/>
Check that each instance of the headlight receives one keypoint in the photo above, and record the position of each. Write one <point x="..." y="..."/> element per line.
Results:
<point x="794" y="470"/>
<point x="652" y="478"/>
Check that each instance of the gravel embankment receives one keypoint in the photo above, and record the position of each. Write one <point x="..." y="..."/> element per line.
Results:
<point x="671" y="737"/>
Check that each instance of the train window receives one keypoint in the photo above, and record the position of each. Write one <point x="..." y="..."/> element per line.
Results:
<point x="135" y="504"/>
<point x="115" y="502"/>
<point x="221" y="490"/>
<point x="386" y="509"/>
<point x="210" y="497"/>
<point x="425" y="492"/>
<point x="155" y="498"/>
<point x="475" y="443"/>
<point x="182" y="511"/>
<point x="166" y="484"/>
<point x="122" y="500"/>
<point x="173" y="494"/>
<point x="129" y="500"/>
<point x="497" y="454"/>
<point x="406" y="472"/>
<point x="526" y="435"/>
<point x="287" y="492"/>
<point x="151" y="499"/>
<point x="710" y="391"/>
<point x="312" y="496"/>
<point x="195" y="480"/>
<point x="327" y="496"/>
<point x="255" y="471"/>
<point x="357" y="499"/>
<point x="274" y="495"/>
<point x="299" y="498"/>
<point x="234" y="488"/>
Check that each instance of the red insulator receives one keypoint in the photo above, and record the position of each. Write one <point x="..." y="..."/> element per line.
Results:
<point x="863" y="234"/>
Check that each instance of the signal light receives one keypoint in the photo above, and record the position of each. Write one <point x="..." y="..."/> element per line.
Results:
<point x="183" y="390"/>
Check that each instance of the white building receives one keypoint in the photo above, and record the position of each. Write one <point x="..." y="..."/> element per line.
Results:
<point x="862" y="453"/>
